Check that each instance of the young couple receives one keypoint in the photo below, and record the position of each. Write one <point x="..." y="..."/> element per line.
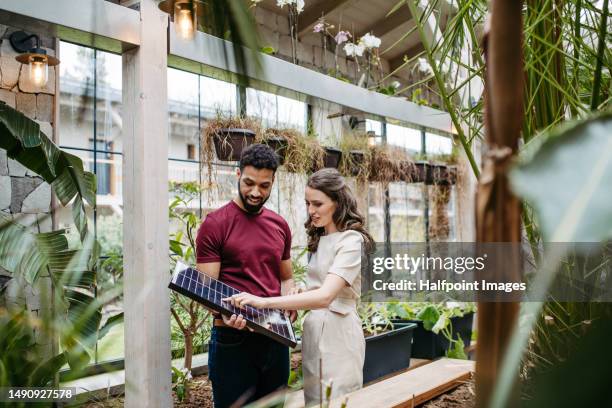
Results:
<point x="248" y="247"/>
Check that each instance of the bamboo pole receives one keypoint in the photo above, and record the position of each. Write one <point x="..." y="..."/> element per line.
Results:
<point x="498" y="212"/>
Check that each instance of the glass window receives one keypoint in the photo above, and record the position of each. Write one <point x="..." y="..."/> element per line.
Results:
<point x="276" y="111"/>
<point x="216" y="97"/>
<point x="90" y="127"/>
<point x="408" y="138"/>
<point x="436" y="144"/>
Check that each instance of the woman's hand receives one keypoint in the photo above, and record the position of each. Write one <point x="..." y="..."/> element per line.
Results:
<point x="242" y="299"/>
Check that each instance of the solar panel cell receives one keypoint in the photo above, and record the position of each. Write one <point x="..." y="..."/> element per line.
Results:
<point x="209" y="292"/>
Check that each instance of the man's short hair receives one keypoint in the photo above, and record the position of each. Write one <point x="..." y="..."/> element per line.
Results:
<point x="259" y="156"/>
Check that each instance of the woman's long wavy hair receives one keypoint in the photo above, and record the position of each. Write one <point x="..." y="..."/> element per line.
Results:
<point x="347" y="215"/>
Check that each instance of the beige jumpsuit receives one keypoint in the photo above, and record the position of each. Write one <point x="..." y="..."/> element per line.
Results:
<point x="334" y="335"/>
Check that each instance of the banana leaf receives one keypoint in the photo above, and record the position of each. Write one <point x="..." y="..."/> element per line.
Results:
<point x="26" y="143"/>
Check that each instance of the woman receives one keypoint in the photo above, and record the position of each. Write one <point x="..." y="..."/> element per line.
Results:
<point x="332" y="331"/>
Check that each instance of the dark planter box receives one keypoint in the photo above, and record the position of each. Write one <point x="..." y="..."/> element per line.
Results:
<point x="388" y="352"/>
<point x="229" y="143"/>
<point x="426" y="344"/>
<point x="357" y="158"/>
<point x="332" y="157"/>
<point x="442" y="174"/>
<point x="279" y="145"/>
<point x="421" y="172"/>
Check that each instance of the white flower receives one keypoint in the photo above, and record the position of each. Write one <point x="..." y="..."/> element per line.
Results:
<point x="424" y="67"/>
<point x="299" y="4"/>
<point x="396" y="84"/>
<point x="342" y="37"/>
<point x="318" y="27"/>
<point x="354" y="50"/>
<point x="369" y="41"/>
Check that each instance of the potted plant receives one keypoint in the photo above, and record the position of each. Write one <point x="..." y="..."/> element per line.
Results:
<point x="421" y="172"/>
<point x="389" y="164"/>
<point x="442" y="174"/>
<point x="277" y="141"/>
<point x="355" y="156"/>
<point x="332" y="157"/>
<point x="229" y="136"/>
<point x="388" y="345"/>
<point x="442" y="329"/>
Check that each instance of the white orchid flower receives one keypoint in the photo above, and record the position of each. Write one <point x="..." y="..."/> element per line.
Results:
<point x="424" y="67"/>
<point x="370" y="41"/>
<point x="354" y="50"/>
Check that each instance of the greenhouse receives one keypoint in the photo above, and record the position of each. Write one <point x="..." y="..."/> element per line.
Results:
<point x="340" y="203"/>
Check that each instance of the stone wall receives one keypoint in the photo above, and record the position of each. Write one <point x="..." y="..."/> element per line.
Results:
<point x="23" y="194"/>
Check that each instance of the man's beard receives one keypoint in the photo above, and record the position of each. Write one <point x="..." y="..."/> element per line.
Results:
<point x="250" y="208"/>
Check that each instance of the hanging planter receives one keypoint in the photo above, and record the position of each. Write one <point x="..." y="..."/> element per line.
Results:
<point x="443" y="174"/>
<point x="389" y="164"/>
<point x="279" y="145"/>
<point x="229" y="142"/>
<point x="421" y="172"/>
<point x="357" y="159"/>
<point x="332" y="157"/>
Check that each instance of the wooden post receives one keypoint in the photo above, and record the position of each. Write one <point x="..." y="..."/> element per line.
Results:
<point x="145" y="215"/>
<point x="497" y="210"/>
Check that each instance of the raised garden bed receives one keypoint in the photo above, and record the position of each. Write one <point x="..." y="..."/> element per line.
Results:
<point x="429" y="345"/>
<point x="388" y="352"/>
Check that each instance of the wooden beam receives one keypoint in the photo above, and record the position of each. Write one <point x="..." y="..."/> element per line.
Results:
<point x="146" y="301"/>
<point x="387" y="24"/>
<point x="311" y="14"/>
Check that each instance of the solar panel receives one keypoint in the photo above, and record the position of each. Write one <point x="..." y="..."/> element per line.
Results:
<point x="209" y="292"/>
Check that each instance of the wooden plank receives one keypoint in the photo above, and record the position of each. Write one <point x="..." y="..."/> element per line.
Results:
<point x="145" y="213"/>
<point x="413" y="387"/>
<point x="296" y="399"/>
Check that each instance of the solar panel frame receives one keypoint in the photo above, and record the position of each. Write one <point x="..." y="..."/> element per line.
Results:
<point x="269" y="322"/>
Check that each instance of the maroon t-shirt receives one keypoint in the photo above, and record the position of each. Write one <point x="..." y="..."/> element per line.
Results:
<point x="250" y="247"/>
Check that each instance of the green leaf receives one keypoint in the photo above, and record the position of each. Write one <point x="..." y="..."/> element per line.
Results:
<point x="457" y="349"/>
<point x="429" y="315"/>
<point x="441" y="324"/>
<point x="567" y="181"/>
<point x="44" y="374"/>
<point x="110" y="323"/>
<point x="25" y="143"/>
<point x="268" y="50"/>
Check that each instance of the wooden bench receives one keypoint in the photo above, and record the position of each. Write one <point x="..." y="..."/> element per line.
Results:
<point x="420" y="383"/>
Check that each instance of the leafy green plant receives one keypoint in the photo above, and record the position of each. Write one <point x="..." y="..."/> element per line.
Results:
<point x="436" y="317"/>
<point x="189" y="316"/>
<point x="27" y="256"/>
<point x="180" y="383"/>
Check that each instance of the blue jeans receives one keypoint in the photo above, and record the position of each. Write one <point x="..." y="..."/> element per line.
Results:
<point x="245" y="366"/>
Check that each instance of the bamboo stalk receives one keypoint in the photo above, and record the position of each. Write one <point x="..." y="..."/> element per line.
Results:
<point x="600" y="54"/>
<point x="498" y="213"/>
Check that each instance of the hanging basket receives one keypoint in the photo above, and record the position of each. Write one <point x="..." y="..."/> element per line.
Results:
<point x="443" y="174"/>
<point x="230" y="142"/>
<point x="357" y="159"/>
<point x="421" y="172"/>
<point x="279" y="145"/>
<point x="332" y="157"/>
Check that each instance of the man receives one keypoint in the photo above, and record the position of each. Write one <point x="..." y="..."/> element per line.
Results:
<point x="248" y="247"/>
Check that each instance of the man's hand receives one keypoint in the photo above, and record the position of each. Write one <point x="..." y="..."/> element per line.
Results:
<point x="236" y="322"/>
